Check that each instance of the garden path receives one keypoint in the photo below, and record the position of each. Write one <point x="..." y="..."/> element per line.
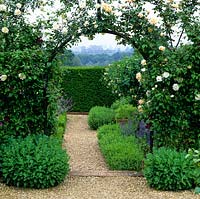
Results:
<point x="89" y="177"/>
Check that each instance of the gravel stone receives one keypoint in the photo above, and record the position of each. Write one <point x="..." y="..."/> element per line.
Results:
<point x="81" y="144"/>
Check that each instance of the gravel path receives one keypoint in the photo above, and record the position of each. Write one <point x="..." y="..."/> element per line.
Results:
<point x="81" y="144"/>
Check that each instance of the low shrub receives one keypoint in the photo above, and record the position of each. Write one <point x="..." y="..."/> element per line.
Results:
<point x="36" y="162"/>
<point x="120" y="152"/>
<point x="121" y="101"/>
<point x="167" y="169"/>
<point x="126" y="111"/>
<point x="61" y="125"/>
<point x="99" y="115"/>
<point x="194" y="155"/>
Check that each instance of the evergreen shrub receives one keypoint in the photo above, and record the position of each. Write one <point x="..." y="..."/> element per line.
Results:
<point x="99" y="115"/>
<point x="36" y="161"/>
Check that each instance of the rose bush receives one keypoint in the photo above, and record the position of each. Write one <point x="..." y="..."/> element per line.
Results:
<point x="159" y="30"/>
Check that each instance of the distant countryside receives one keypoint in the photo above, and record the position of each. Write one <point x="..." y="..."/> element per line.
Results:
<point x="94" y="55"/>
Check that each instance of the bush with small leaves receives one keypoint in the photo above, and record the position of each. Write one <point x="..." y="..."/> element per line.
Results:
<point x="120" y="152"/>
<point x="36" y="161"/>
<point x="99" y="115"/>
<point x="167" y="169"/>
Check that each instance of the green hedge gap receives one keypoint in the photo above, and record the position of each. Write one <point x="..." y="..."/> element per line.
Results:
<point x="86" y="87"/>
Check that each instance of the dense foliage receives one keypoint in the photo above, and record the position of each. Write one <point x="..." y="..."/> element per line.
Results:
<point x="36" y="161"/>
<point x="120" y="152"/>
<point x="60" y="126"/>
<point x="167" y="169"/>
<point x="86" y="87"/>
<point x="120" y="77"/>
<point x="98" y="116"/>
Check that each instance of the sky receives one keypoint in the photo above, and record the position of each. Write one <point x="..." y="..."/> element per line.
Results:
<point x="104" y="40"/>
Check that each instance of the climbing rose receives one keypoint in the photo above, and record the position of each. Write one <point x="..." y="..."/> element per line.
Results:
<point x="3" y="78"/>
<point x="5" y="30"/>
<point x="139" y="76"/>
<point x="18" y="5"/>
<point x="143" y="62"/>
<point x="22" y="76"/>
<point x="159" y="79"/>
<point x="165" y="74"/>
<point x="3" y="7"/>
<point x="17" y="12"/>
<point x="197" y="97"/>
<point x="161" y="48"/>
<point x="153" y="20"/>
<point x="175" y="87"/>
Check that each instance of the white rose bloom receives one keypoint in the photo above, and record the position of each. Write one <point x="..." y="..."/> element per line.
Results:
<point x="86" y="23"/>
<point x="3" y="7"/>
<point x="97" y="6"/>
<point x="175" y="87"/>
<point x="140" y="109"/>
<point x="159" y="78"/>
<point x="162" y="34"/>
<point x="175" y="5"/>
<point x="22" y="76"/>
<point x="153" y="20"/>
<point x="140" y="15"/>
<point x="118" y="13"/>
<point x="5" y="30"/>
<point x="161" y="48"/>
<point x="144" y="62"/>
<point x="17" y="12"/>
<point x="165" y="74"/>
<point x="56" y="26"/>
<point x="141" y="101"/>
<point x="82" y="4"/>
<point x="197" y="97"/>
<point x="18" y="5"/>
<point x="139" y="76"/>
<point x="64" y="30"/>
<point x="3" y="78"/>
<point x="143" y="69"/>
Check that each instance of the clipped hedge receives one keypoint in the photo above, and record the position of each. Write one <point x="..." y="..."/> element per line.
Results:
<point x="86" y="87"/>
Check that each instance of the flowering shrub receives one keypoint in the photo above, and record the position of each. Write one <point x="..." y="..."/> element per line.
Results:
<point x="169" y="73"/>
<point x="120" y="76"/>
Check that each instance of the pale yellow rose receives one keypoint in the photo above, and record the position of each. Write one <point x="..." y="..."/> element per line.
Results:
<point x="17" y="12"/>
<point x="161" y="48"/>
<point x="5" y="30"/>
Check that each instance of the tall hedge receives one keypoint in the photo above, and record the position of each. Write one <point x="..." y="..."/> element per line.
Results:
<point x="86" y="87"/>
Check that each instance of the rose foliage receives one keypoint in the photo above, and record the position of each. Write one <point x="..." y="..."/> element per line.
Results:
<point x="165" y="33"/>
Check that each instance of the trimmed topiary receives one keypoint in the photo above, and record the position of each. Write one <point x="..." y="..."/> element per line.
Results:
<point x="36" y="161"/>
<point x="99" y="115"/>
<point x="167" y="169"/>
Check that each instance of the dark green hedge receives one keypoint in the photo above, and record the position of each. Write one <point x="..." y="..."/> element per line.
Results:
<point x="86" y="87"/>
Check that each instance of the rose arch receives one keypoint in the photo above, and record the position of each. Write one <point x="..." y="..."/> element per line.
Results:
<point x="165" y="33"/>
